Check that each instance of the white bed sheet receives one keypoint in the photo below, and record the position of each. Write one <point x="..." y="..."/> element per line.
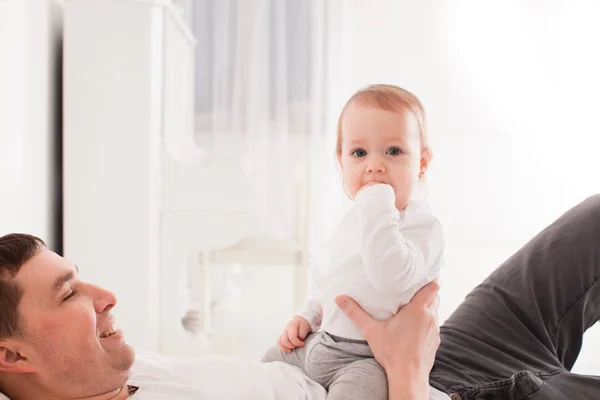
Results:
<point x="222" y="378"/>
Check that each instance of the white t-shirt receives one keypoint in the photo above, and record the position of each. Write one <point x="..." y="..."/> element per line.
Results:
<point x="378" y="256"/>
<point x="161" y="377"/>
<point x="220" y="378"/>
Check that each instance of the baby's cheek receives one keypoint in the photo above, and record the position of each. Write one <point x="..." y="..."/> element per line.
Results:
<point x="352" y="185"/>
<point x="353" y="189"/>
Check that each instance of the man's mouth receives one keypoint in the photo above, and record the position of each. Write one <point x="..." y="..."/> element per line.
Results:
<point x="107" y="333"/>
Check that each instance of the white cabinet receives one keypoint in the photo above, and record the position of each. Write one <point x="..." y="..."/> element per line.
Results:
<point x="128" y="82"/>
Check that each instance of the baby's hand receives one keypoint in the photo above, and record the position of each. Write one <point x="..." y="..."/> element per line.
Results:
<point x="293" y="334"/>
<point x="370" y="184"/>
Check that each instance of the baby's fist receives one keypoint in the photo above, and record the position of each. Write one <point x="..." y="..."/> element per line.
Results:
<point x="293" y="334"/>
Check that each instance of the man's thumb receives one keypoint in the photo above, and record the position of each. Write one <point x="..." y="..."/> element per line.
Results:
<point x="356" y="314"/>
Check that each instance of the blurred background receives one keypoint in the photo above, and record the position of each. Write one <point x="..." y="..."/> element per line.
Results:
<point x="182" y="152"/>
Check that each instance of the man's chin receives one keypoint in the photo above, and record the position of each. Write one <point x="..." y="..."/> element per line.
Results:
<point x="131" y="354"/>
<point x="123" y="356"/>
<point x="127" y="358"/>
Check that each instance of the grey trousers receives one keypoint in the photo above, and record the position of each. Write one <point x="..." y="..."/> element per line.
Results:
<point x="518" y="334"/>
<point x="345" y="367"/>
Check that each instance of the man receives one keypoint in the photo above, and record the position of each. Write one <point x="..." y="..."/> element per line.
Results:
<point x="58" y="340"/>
<point x="516" y="335"/>
<point x="55" y="330"/>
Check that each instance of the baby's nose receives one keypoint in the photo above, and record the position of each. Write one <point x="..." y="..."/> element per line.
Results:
<point x="375" y="165"/>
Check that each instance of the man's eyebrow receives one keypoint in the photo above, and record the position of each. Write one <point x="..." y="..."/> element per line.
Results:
<point x="61" y="280"/>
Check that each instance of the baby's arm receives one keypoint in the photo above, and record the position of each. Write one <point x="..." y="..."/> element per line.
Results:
<point x="306" y="320"/>
<point x="297" y="329"/>
<point x="396" y="255"/>
<point x="312" y="313"/>
<point x="312" y="310"/>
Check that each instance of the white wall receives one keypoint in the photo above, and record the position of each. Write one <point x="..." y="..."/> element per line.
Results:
<point x="30" y="34"/>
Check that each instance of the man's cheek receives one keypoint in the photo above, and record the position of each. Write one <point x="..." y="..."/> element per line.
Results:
<point x="50" y="328"/>
<point x="75" y="328"/>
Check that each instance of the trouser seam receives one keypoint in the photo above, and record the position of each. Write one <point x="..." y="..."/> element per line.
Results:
<point x="570" y="306"/>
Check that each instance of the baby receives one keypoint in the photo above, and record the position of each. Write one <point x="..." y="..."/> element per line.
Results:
<point x="385" y="249"/>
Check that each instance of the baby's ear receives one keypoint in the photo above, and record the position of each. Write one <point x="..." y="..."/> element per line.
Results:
<point x="426" y="156"/>
<point x="12" y="360"/>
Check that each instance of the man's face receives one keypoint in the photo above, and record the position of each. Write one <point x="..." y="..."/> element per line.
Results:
<point x="65" y="322"/>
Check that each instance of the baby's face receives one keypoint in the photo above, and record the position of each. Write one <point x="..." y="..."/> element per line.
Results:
<point x="381" y="146"/>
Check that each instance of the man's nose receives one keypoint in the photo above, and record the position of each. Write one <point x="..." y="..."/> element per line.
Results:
<point x="104" y="300"/>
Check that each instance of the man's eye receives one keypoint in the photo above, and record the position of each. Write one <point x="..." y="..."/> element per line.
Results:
<point x="359" y="153"/>
<point x="70" y="296"/>
<point x="394" y="151"/>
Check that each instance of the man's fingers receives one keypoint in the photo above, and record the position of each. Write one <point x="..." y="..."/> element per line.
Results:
<point x="434" y="305"/>
<point x="356" y="314"/>
<point x="427" y="295"/>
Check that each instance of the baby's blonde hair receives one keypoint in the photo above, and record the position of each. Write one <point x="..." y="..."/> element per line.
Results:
<point x="389" y="98"/>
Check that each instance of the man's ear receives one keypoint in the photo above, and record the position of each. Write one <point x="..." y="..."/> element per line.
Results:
<point x="12" y="358"/>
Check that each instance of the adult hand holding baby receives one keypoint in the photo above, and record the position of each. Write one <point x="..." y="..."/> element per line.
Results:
<point x="407" y="355"/>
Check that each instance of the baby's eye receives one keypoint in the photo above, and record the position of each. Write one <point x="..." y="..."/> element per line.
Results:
<point x="394" y="151"/>
<point x="359" y="153"/>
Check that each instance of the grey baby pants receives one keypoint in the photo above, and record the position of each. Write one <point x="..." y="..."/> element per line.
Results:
<point x="345" y="367"/>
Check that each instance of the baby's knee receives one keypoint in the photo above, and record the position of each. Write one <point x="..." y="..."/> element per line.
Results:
<point x="272" y="355"/>
<point x="364" y="379"/>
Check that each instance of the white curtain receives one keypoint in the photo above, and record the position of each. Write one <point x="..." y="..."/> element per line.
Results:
<point x="266" y="78"/>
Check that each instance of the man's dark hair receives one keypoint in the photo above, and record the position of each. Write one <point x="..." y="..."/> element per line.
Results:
<point x="15" y="250"/>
